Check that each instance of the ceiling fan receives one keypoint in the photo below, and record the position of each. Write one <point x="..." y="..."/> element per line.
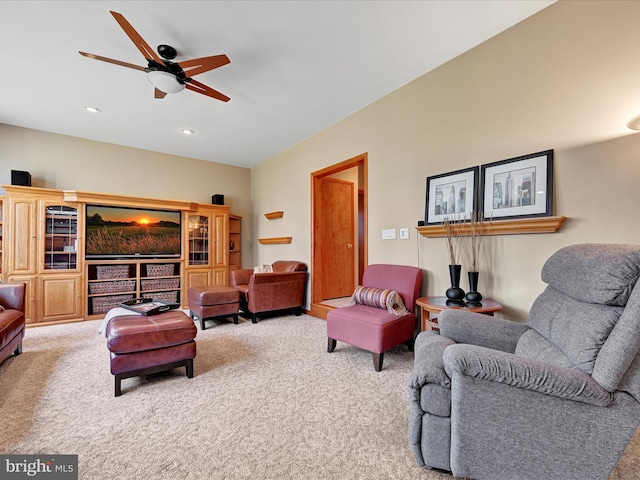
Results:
<point x="164" y="74"/>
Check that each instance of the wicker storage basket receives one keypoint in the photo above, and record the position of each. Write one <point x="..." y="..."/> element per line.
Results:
<point x="112" y="287"/>
<point x="166" y="296"/>
<point x="107" y="272"/>
<point x="101" y="305"/>
<point x="160" y="270"/>
<point x="160" y="284"/>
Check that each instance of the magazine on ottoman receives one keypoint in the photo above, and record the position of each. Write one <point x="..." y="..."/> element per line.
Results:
<point x="148" y="306"/>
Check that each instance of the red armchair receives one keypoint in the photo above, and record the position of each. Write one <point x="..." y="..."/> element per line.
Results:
<point x="12" y="321"/>
<point x="261" y="293"/>
<point x="377" y="329"/>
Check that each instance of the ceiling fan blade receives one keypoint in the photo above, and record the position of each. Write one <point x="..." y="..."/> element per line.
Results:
<point x="196" y="86"/>
<point x="135" y="37"/>
<point x="204" y="64"/>
<point x="159" y="94"/>
<point x="111" y="60"/>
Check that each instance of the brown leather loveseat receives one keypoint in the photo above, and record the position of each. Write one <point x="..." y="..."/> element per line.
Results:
<point x="12" y="321"/>
<point x="283" y="289"/>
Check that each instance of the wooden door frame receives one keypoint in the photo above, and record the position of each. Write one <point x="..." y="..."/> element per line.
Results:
<point x="316" y="269"/>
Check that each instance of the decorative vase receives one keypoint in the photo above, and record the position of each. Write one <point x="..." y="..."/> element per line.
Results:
<point x="473" y="297"/>
<point x="455" y="294"/>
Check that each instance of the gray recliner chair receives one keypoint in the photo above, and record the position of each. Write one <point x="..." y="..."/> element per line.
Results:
<point x="555" y="398"/>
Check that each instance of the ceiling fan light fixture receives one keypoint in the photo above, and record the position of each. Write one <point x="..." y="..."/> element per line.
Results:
<point x="165" y="81"/>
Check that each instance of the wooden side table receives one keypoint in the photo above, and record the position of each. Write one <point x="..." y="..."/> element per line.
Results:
<point x="435" y="305"/>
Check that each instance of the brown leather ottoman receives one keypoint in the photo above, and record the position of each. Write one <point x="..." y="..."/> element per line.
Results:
<point x="213" y="301"/>
<point x="142" y="345"/>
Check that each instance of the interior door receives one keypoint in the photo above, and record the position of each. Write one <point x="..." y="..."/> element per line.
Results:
<point x="336" y="237"/>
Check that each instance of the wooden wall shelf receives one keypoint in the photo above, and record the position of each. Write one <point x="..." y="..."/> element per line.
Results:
<point x="504" y="227"/>
<point x="275" y="240"/>
<point x="273" y="215"/>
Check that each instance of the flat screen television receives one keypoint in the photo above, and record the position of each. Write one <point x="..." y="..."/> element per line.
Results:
<point x="131" y="232"/>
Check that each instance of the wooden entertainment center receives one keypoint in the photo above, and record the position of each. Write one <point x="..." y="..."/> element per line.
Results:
<point x="42" y="243"/>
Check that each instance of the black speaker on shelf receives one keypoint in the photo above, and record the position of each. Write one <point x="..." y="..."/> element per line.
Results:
<point x="19" y="177"/>
<point x="217" y="199"/>
<point x="421" y="223"/>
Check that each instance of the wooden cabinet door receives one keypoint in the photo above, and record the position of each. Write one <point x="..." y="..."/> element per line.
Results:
<point x="22" y="237"/>
<point x="194" y="278"/>
<point x="220" y="247"/>
<point x="59" y="298"/>
<point x="197" y="278"/>
<point x="29" y="296"/>
<point x="2" y="265"/>
<point x="220" y="276"/>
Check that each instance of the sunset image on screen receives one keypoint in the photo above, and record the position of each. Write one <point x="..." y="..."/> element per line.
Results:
<point x="121" y="231"/>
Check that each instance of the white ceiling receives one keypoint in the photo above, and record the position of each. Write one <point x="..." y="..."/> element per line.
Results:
<point x="296" y="66"/>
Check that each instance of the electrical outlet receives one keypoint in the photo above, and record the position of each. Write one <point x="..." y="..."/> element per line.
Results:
<point x="389" y="234"/>
<point x="404" y="233"/>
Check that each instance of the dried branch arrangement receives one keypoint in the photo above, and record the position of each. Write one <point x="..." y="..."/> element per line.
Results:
<point x="474" y="241"/>
<point x="453" y="231"/>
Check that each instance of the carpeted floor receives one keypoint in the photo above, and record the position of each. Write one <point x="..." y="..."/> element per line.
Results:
<point x="266" y="402"/>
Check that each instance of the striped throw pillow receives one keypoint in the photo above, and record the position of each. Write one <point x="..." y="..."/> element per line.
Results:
<point x="372" y="297"/>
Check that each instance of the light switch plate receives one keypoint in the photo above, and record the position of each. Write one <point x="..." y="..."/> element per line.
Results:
<point x="404" y="233"/>
<point x="389" y="234"/>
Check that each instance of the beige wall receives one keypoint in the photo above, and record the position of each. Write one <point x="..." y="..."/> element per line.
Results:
<point x="566" y="79"/>
<point x="70" y="163"/>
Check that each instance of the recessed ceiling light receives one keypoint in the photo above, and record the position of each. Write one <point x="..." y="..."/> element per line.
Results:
<point x="92" y="109"/>
<point x="188" y="131"/>
<point x="634" y="123"/>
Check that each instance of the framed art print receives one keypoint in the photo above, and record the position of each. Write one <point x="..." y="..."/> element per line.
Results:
<point x="519" y="187"/>
<point x="451" y="195"/>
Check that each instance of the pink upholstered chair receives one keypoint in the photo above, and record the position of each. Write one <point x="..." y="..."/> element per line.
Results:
<point x="376" y="329"/>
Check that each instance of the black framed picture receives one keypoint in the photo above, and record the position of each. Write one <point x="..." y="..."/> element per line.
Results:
<point x="451" y="195"/>
<point x="519" y="187"/>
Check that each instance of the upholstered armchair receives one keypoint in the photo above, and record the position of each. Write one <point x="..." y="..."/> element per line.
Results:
<point x="555" y="398"/>
<point x="372" y="323"/>
<point x="12" y="320"/>
<point x="282" y="289"/>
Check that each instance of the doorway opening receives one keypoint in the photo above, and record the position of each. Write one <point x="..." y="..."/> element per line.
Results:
<point x="338" y="232"/>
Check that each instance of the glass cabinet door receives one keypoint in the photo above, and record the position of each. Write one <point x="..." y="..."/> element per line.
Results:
<point x="198" y="240"/>
<point x="61" y="238"/>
